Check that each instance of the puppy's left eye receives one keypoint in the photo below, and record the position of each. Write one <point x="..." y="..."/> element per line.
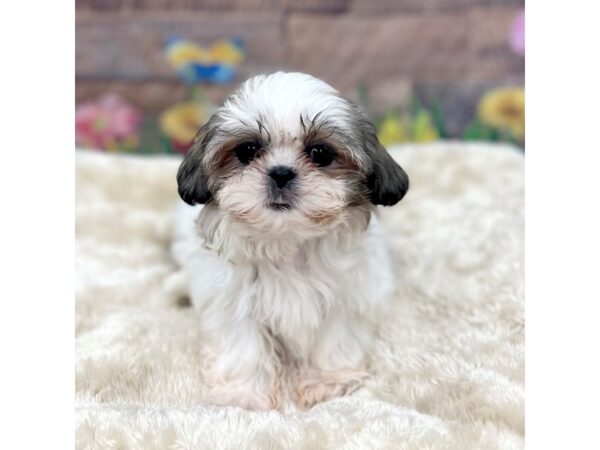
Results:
<point x="246" y="151"/>
<point x="321" y="155"/>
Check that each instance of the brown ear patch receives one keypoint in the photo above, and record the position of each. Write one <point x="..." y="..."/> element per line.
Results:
<point x="192" y="179"/>
<point x="388" y="183"/>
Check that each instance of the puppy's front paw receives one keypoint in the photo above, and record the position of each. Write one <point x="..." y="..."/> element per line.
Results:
<point x="312" y="386"/>
<point x="246" y="394"/>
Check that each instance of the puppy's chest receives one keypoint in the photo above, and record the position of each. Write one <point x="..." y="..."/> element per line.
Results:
<point x="301" y="291"/>
<point x="296" y="280"/>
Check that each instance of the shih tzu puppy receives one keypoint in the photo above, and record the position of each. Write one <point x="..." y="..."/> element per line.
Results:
<point x="280" y="243"/>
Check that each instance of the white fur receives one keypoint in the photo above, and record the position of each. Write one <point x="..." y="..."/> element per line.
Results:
<point x="293" y="296"/>
<point x="275" y="285"/>
<point x="280" y="99"/>
<point x="322" y="299"/>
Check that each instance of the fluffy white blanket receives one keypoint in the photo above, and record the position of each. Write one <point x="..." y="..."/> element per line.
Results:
<point x="448" y="365"/>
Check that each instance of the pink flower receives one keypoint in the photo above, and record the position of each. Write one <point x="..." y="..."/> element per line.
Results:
<point x="517" y="34"/>
<point x="108" y="123"/>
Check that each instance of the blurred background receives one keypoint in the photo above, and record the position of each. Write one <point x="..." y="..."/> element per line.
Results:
<point x="150" y="72"/>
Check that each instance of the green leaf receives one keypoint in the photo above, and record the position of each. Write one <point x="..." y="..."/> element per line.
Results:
<point x="439" y="121"/>
<point x="415" y="106"/>
<point x="478" y="131"/>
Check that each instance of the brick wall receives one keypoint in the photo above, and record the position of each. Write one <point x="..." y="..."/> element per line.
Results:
<point x="449" y="50"/>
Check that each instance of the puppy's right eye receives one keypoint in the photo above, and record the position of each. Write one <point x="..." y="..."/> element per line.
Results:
<point x="246" y="151"/>
<point x="321" y="155"/>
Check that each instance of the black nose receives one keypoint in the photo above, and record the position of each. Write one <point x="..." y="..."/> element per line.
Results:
<point x="282" y="175"/>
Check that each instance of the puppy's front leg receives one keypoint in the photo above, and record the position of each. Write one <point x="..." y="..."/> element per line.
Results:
<point x="337" y="363"/>
<point x="243" y="366"/>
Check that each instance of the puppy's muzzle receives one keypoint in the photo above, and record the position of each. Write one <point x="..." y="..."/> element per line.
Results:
<point x="281" y="197"/>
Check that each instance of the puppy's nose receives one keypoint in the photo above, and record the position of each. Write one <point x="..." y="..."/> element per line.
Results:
<point x="282" y="175"/>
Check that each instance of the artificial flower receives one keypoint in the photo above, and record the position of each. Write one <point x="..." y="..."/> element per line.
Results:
<point x="394" y="129"/>
<point x="212" y="73"/>
<point x="391" y="131"/>
<point x="517" y="34"/>
<point x="423" y="129"/>
<point x="504" y="109"/>
<point x="195" y="63"/>
<point x="181" y="123"/>
<point x="108" y="123"/>
<point x="228" y="51"/>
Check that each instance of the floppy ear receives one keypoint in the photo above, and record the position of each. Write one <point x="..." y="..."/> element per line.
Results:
<point x="388" y="182"/>
<point x="192" y="180"/>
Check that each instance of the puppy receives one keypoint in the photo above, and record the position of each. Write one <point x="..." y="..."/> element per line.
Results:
<point x="284" y="255"/>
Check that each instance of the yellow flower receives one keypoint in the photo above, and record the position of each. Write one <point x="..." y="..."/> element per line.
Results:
<point x="182" y="121"/>
<point x="225" y="51"/>
<point x="391" y="131"/>
<point x="423" y="129"/>
<point x="183" y="52"/>
<point x="504" y="109"/>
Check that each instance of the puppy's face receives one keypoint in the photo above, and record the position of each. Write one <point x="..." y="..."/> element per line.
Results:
<point x="286" y="152"/>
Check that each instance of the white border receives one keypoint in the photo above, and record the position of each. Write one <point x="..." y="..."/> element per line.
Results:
<point x="562" y="221"/>
<point x="36" y="227"/>
<point x="562" y="225"/>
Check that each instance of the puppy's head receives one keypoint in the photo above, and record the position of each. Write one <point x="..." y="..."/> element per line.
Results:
<point x="286" y="151"/>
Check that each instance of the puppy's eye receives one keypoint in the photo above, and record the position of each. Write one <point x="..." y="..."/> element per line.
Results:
<point x="246" y="151"/>
<point x="321" y="155"/>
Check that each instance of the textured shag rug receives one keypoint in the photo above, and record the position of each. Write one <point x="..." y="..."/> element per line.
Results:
<point x="448" y="367"/>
